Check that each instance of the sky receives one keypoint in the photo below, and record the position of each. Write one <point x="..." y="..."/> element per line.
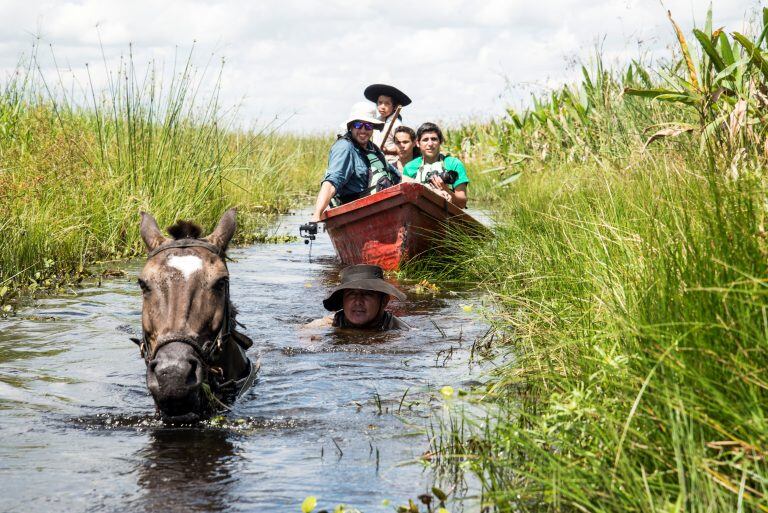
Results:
<point x="298" y="66"/>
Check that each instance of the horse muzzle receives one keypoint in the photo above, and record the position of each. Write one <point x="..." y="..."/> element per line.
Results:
<point x="175" y="379"/>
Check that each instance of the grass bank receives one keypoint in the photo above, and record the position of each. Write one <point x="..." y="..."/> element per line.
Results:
<point x="628" y="277"/>
<point x="76" y="169"/>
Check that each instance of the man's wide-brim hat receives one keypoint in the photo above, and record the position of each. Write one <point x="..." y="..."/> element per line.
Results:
<point x="360" y="277"/>
<point x="373" y="91"/>
<point x="362" y="111"/>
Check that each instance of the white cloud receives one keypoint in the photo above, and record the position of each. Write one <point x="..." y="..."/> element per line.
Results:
<point x="311" y="60"/>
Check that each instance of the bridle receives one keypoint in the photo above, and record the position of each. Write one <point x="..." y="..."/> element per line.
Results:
<point x="209" y="351"/>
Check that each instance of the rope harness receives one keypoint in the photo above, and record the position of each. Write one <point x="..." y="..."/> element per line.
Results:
<point x="208" y="352"/>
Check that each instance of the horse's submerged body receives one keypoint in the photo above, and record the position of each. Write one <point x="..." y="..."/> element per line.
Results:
<point x="195" y="357"/>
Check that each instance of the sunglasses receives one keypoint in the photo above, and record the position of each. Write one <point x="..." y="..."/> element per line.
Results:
<point x="362" y="124"/>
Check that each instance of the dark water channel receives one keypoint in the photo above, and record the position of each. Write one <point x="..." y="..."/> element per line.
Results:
<point x="77" y="431"/>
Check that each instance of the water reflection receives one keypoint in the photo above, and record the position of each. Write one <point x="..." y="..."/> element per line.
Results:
<point x="187" y="470"/>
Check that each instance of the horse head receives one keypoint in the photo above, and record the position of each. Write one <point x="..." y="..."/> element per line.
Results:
<point x="193" y="355"/>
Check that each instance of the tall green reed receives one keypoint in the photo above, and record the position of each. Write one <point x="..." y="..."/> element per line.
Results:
<point x="77" y="167"/>
<point x="628" y="275"/>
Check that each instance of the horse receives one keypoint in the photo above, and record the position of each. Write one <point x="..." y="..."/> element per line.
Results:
<point x="195" y="357"/>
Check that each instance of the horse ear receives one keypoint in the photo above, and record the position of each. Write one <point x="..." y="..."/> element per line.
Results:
<point x="150" y="232"/>
<point x="224" y="230"/>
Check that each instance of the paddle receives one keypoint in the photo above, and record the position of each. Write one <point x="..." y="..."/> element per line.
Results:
<point x="389" y="128"/>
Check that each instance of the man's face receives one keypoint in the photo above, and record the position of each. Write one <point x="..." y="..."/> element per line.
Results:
<point x="429" y="144"/>
<point x="404" y="144"/>
<point x="385" y="105"/>
<point x="362" y="135"/>
<point x="362" y="306"/>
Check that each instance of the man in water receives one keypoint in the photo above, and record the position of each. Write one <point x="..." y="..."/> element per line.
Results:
<point x="443" y="173"/>
<point x="360" y="301"/>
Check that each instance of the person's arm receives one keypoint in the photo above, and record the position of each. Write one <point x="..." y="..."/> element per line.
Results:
<point x="340" y="167"/>
<point x="327" y="191"/>
<point x="458" y="196"/>
<point x="410" y="171"/>
<point x="393" y="171"/>
<point x="389" y="149"/>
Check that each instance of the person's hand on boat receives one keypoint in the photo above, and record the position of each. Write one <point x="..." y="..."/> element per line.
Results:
<point x="327" y="191"/>
<point x="441" y="187"/>
<point x="438" y="183"/>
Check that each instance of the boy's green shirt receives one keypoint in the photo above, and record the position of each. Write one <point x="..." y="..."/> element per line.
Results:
<point x="449" y="163"/>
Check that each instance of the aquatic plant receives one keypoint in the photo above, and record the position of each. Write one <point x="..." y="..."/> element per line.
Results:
<point x="77" y="167"/>
<point x="628" y="271"/>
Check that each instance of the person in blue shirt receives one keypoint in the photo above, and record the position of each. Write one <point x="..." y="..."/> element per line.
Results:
<point x="356" y="166"/>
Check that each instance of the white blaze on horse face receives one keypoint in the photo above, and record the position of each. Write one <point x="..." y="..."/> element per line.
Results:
<point x="188" y="264"/>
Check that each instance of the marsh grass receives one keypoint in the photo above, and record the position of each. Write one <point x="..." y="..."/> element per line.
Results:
<point x="76" y="168"/>
<point x="628" y="279"/>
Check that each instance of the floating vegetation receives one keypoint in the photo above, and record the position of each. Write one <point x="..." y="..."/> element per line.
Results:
<point x="267" y="238"/>
<point x="232" y="423"/>
<point x="426" y="287"/>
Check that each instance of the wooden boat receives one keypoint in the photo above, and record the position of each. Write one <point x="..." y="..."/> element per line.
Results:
<point x="394" y="225"/>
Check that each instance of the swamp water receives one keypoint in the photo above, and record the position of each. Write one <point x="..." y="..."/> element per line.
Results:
<point x="326" y="418"/>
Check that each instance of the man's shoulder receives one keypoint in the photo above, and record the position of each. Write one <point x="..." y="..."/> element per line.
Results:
<point x="342" y="144"/>
<point x="412" y="167"/>
<point x="451" y="162"/>
<point x="399" y="324"/>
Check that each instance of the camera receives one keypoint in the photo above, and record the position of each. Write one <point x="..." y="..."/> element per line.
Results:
<point x="308" y="231"/>
<point x="448" y="176"/>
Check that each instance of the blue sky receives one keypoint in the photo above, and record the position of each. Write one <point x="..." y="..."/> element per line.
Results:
<point x="302" y="64"/>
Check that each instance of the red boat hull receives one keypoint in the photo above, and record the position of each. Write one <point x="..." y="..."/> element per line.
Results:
<point x="392" y="226"/>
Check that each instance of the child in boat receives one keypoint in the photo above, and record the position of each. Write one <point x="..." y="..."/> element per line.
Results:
<point x="405" y="141"/>
<point x="387" y="99"/>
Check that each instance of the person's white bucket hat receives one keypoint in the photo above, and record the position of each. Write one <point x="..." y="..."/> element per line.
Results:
<point x="362" y="111"/>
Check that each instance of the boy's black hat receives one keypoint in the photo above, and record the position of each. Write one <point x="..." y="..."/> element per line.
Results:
<point x="373" y="91"/>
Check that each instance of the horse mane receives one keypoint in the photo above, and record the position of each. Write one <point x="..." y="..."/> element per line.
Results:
<point x="184" y="230"/>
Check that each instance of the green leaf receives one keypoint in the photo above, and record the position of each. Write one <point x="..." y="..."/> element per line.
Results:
<point x="709" y="48"/>
<point x="645" y="77"/>
<point x="509" y="180"/>
<point x="765" y="17"/>
<point x="437" y="492"/>
<point x="755" y="57"/>
<point x="728" y="71"/>
<point x="648" y="93"/>
<point x="725" y="49"/>
<point x="687" y="99"/>
<point x="765" y="25"/>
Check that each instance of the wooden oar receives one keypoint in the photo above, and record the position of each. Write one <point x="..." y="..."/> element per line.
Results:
<point x="389" y="128"/>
